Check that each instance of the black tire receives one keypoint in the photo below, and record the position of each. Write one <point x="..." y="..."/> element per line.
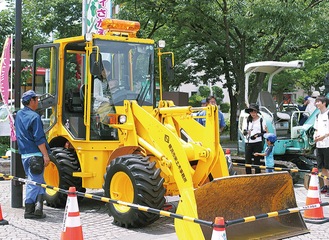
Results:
<point x="63" y="163"/>
<point x="142" y="183"/>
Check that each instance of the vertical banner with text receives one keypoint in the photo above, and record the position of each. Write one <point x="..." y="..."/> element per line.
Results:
<point x="4" y="82"/>
<point x="96" y="12"/>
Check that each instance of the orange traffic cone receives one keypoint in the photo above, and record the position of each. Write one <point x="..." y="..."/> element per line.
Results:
<point x="72" y="229"/>
<point x="2" y="221"/>
<point x="314" y="215"/>
<point x="228" y="153"/>
<point x="219" y="232"/>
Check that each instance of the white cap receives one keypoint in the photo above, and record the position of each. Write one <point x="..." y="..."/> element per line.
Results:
<point x="315" y="94"/>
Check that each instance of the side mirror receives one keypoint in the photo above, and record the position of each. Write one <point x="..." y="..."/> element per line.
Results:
<point x="95" y="61"/>
<point x="169" y="68"/>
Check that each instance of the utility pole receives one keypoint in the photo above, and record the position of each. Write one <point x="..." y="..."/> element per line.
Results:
<point x="16" y="163"/>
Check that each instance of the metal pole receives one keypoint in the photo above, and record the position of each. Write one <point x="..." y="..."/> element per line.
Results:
<point x="84" y="18"/>
<point x="16" y="163"/>
<point x="160" y="72"/>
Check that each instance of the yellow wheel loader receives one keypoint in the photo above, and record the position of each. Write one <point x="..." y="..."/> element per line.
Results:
<point x="138" y="148"/>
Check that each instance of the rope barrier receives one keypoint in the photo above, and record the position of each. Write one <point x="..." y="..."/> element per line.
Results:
<point x="278" y="169"/>
<point x="322" y="176"/>
<point x="174" y="215"/>
<point x="109" y="200"/>
<point x="274" y="168"/>
<point x="275" y="214"/>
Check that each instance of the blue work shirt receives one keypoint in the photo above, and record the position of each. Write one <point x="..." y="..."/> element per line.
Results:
<point x="202" y="121"/>
<point x="29" y="131"/>
<point x="269" y="159"/>
<point x="221" y="119"/>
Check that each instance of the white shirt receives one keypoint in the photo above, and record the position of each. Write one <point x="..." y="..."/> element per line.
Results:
<point x="253" y="128"/>
<point x="321" y="125"/>
<point x="98" y="93"/>
<point x="310" y="108"/>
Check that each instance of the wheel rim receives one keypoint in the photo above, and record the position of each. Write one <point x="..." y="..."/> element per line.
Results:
<point x="51" y="177"/>
<point x="121" y="188"/>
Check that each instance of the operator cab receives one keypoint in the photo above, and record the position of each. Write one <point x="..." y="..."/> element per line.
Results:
<point x="70" y="80"/>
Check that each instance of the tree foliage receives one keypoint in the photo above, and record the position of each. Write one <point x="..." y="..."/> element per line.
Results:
<point x="204" y="91"/>
<point x="42" y="22"/>
<point x="316" y="68"/>
<point x="195" y="100"/>
<point x="212" y="38"/>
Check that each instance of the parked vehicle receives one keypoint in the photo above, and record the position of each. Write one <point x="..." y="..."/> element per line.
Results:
<point x="295" y="142"/>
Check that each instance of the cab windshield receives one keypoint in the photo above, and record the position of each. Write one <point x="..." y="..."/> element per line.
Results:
<point x="128" y="71"/>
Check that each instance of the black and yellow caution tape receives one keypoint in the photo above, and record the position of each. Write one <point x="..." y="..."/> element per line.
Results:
<point x="109" y="200"/>
<point x="274" y="168"/>
<point x="275" y="214"/>
<point x="173" y="215"/>
<point x="322" y="176"/>
<point x="319" y="175"/>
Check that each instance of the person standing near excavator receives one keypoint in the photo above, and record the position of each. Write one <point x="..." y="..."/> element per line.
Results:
<point x="321" y="138"/>
<point x="34" y="149"/>
<point x="254" y="136"/>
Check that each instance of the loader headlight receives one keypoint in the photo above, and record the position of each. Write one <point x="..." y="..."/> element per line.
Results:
<point x="161" y="43"/>
<point x="122" y="119"/>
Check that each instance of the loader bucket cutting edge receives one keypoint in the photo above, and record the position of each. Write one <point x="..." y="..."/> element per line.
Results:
<point x="242" y="196"/>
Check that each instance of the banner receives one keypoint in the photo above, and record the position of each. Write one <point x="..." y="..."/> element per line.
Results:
<point x="96" y="12"/>
<point x="4" y="83"/>
<point x="5" y="67"/>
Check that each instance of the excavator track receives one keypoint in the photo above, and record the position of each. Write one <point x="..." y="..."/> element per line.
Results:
<point x="277" y="163"/>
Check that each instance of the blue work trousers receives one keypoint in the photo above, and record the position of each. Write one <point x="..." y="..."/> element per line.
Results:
<point x="32" y="191"/>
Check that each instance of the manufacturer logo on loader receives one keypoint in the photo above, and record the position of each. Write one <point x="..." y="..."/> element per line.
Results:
<point x="166" y="138"/>
<point x="172" y="151"/>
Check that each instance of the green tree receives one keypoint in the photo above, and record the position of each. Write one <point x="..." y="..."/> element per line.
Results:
<point x="7" y="26"/>
<point x="315" y="70"/>
<point x="218" y="93"/>
<point x="219" y="37"/>
<point x="204" y="91"/>
<point x="40" y="22"/>
<point x="195" y="100"/>
<point x="210" y="38"/>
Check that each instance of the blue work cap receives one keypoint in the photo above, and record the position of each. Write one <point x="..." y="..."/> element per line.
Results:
<point x="270" y="136"/>
<point x="28" y="95"/>
<point x="306" y="98"/>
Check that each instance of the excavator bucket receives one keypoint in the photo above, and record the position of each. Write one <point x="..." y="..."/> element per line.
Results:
<point x="242" y="196"/>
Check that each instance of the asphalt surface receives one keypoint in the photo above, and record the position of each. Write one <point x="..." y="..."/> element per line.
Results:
<point x="97" y="224"/>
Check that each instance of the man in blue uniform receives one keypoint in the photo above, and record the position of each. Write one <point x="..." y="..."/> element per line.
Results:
<point x="222" y="124"/>
<point x="33" y="147"/>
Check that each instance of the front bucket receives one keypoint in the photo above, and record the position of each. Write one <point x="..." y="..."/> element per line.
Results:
<point x="242" y="196"/>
